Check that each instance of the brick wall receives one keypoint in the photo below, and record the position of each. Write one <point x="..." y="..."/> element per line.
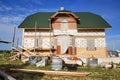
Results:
<point x="71" y="23"/>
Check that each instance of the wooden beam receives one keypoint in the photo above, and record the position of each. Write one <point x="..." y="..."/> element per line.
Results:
<point x="61" y="73"/>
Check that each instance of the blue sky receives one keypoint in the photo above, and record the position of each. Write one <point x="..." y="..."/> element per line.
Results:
<point x="13" y="12"/>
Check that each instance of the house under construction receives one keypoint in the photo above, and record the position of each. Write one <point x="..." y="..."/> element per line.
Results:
<point x="65" y="33"/>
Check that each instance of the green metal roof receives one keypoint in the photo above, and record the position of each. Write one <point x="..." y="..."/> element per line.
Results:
<point x="87" y="20"/>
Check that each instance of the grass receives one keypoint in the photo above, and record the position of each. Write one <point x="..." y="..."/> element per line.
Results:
<point x="97" y="73"/>
<point x="101" y="73"/>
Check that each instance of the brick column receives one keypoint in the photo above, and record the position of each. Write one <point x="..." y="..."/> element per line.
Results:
<point x="58" y="50"/>
<point x="70" y="50"/>
<point x="75" y="51"/>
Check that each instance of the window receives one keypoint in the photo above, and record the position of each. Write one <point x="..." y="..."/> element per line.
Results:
<point x="64" y="25"/>
<point x="38" y="43"/>
<point x="91" y="44"/>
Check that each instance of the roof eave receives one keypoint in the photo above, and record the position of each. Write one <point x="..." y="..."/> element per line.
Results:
<point x="94" y="28"/>
<point x="37" y="28"/>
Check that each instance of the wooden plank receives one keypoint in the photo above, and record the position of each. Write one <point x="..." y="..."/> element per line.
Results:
<point x="61" y="73"/>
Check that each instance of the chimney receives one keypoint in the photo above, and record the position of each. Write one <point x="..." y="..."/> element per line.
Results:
<point x="61" y="8"/>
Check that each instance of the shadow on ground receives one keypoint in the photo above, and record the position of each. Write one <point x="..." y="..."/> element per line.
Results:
<point x="20" y="75"/>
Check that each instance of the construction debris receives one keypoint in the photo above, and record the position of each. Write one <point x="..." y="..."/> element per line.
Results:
<point x="57" y="63"/>
<point x="43" y="62"/>
<point x="106" y="65"/>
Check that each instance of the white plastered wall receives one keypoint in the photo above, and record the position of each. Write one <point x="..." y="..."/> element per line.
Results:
<point x="29" y="41"/>
<point x="80" y="41"/>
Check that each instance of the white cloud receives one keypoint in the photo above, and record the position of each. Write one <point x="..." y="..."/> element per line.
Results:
<point x="11" y="19"/>
<point x="43" y="10"/>
<point x="7" y="24"/>
<point x="5" y="8"/>
<point x="19" y="8"/>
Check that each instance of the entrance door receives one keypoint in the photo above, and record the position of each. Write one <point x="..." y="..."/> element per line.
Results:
<point x="65" y="42"/>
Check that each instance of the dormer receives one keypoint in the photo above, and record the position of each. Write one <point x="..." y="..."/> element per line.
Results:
<point x="64" y="20"/>
<point x="64" y="13"/>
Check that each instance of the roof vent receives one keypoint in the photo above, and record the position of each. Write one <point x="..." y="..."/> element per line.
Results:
<point x="61" y="8"/>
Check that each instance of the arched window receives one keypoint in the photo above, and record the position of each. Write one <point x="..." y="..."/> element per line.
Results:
<point x="64" y="25"/>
